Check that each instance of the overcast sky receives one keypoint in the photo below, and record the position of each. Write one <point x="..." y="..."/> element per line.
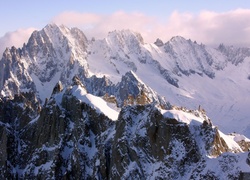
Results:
<point x="210" y="22"/>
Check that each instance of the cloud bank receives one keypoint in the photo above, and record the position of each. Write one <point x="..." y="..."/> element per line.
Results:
<point x="211" y="28"/>
<point x="16" y="38"/>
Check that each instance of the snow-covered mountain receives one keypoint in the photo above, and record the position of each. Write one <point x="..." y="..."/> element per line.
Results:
<point x="184" y="72"/>
<point x="61" y="80"/>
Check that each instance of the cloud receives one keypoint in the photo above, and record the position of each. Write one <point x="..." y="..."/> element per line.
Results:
<point x="16" y="38"/>
<point x="212" y="28"/>
<point x="232" y="27"/>
<point x="98" y="25"/>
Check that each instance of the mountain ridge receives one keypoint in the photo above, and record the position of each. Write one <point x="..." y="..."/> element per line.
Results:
<point x="68" y="53"/>
<point x="119" y="107"/>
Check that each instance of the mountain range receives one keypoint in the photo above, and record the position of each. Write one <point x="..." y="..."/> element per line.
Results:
<point x="118" y="107"/>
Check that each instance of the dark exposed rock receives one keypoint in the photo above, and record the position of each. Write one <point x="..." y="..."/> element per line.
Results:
<point x="158" y="42"/>
<point x="15" y="116"/>
<point x="70" y="139"/>
<point x="99" y="86"/>
<point x="244" y="176"/>
<point x="20" y="110"/>
<point x="245" y="146"/>
<point x="110" y="99"/>
<point x="248" y="159"/>
<point x="131" y="91"/>
<point x="58" y="88"/>
<point x="76" y="81"/>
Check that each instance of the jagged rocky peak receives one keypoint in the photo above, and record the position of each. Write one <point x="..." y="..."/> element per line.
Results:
<point x="51" y="28"/>
<point x="57" y="37"/>
<point x="181" y="41"/>
<point x="126" y="37"/>
<point x="58" y="88"/>
<point x="78" y="34"/>
<point x="45" y="35"/>
<point x="39" y="41"/>
<point x="52" y="51"/>
<point x="159" y="42"/>
<point x="79" y="37"/>
<point x="76" y="81"/>
<point x="129" y="86"/>
<point x="174" y="43"/>
<point x="222" y="47"/>
<point x="12" y="54"/>
<point x="131" y="90"/>
<point x="235" y="55"/>
<point x="45" y="41"/>
<point x="177" y="39"/>
<point x="131" y="76"/>
<point x="191" y="58"/>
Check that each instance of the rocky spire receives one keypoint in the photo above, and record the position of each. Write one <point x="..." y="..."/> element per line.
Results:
<point x="158" y="42"/>
<point x="58" y="88"/>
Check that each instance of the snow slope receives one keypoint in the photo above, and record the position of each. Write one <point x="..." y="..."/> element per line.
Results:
<point x="95" y="102"/>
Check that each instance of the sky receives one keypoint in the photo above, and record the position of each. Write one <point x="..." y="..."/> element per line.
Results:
<point x="209" y="22"/>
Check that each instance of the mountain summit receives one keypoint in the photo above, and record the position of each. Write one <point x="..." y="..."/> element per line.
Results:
<point x="116" y="107"/>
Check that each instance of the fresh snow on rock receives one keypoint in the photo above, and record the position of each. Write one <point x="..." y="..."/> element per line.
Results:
<point x="240" y="137"/>
<point x="195" y="120"/>
<point x="228" y="162"/>
<point x="232" y="144"/>
<point x="184" y="117"/>
<point x="95" y="102"/>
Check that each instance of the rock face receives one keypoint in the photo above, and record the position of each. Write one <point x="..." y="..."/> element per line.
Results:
<point x="158" y="42"/>
<point x="15" y="116"/>
<point x="68" y="138"/>
<point x="13" y="67"/>
<point x="156" y="136"/>
<point x="131" y="90"/>
<point x="234" y="54"/>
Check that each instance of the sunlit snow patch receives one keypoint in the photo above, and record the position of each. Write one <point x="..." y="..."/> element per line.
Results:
<point x="95" y="102"/>
<point x="181" y="116"/>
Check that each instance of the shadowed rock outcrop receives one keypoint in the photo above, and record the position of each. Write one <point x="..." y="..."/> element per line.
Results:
<point x="70" y="139"/>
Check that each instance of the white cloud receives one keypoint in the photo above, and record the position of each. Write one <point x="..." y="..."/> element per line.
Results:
<point x="16" y="38"/>
<point x="212" y="28"/>
<point x="99" y="25"/>
<point x="208" y="27"/>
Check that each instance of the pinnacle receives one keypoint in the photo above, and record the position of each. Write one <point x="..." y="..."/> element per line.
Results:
<point x="58" y="88"/>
